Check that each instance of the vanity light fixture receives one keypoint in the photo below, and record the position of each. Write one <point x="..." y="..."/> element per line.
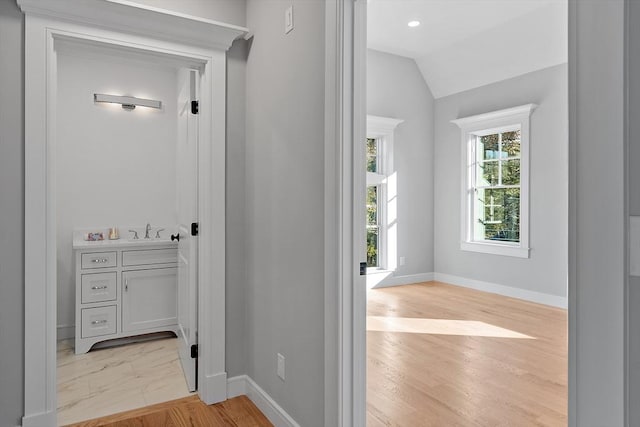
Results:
<point x="413" y="24"/>
<point x="127" y="102"/>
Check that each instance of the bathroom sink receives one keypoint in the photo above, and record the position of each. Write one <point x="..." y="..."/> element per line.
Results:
<point x="126" y="239"/>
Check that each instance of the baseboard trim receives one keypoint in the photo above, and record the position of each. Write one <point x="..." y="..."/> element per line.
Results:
<point x="40" y="420"/>
<point x="532" y="296"/>
<point x="213" y="388"/>
<point x="244" y="385"/>
<point x="66" y="332"/>
<point x="387" y="279"/>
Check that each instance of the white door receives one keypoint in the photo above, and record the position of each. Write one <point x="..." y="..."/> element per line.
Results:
<point x="187" y="210"/>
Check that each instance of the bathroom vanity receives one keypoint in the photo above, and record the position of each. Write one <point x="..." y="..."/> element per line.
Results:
<point x="124" y="288"/>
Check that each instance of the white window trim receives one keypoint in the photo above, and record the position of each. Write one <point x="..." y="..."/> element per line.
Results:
<point x="382" y="129"/>
<point x="485" y="124"/>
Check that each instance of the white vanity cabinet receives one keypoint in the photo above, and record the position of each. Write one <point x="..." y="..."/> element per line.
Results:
<point x="149" y="299"/>
<point x="124" y="290"/>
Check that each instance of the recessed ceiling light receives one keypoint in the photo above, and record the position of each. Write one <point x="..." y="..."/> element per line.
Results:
<point x="413" y="24"/>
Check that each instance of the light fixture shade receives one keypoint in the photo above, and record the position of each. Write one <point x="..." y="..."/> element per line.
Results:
<point x="127" y="102"/>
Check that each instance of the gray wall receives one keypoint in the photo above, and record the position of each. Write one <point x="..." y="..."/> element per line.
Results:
<point x="396" y="89"/>
<point x="546" y="269"/>
<point x="285" y="204"/>
<point x="12" y="214"/>
<point x="596" y="213"/>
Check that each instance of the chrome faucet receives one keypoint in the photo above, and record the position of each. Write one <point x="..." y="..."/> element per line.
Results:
<point x="147" y="230"/>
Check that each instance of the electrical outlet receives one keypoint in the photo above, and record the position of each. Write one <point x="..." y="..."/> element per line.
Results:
<point x="403" y="260"/>
<point x="288" y="20"/>
<point x="281" y="366"/>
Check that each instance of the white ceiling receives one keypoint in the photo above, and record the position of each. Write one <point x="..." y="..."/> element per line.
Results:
<point x="463" y="44"/>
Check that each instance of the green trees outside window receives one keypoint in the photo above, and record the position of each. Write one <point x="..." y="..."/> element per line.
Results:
<point x="498" y="186"/>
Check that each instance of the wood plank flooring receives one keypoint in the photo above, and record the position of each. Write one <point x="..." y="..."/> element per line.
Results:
<point x="441" y="355"/>
<point x="187" y="412"/>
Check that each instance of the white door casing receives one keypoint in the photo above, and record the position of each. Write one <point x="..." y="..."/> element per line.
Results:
<point x="193" y="42"/>
<point x="187" y="209"/>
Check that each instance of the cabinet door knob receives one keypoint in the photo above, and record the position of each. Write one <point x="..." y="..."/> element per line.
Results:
<point x="126" y="285"/>
<point x="95" y="288"/>
<point x="175" y="237"/>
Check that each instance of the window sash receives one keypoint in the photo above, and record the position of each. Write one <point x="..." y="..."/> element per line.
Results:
<point x="477" y="212"/>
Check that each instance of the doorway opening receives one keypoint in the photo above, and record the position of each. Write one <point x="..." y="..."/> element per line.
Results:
<point x="467" y="268"/>
<point x="126" y="196"/>
<point x="203" y="50"/>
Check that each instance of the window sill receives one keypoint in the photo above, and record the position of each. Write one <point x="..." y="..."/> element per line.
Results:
<point x="495" y="249"/>
<point x="376" y="270"/>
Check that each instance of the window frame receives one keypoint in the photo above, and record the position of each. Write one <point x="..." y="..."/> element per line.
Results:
<point x="487" y="124"/>
<point x="382" y="130"/>
<point x="377" y="179"/>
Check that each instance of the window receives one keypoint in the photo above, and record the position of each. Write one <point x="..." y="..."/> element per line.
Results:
<point x="495" y="194"/>
<point x="373" y="224"/>
<point x="380" y="193"/>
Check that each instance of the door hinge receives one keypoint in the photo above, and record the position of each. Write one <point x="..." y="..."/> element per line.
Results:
<point x="194" y="228"/>
<point x="195" y="105"/>
<point x="194" y="351"/>
<point x="363" y="268"/>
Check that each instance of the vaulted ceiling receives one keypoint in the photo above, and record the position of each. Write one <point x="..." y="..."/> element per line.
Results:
<point x="463" y="44"/>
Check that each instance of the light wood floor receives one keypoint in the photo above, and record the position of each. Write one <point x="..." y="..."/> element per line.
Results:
<point x="187" y="412"/>
<point x="441" y="355"/>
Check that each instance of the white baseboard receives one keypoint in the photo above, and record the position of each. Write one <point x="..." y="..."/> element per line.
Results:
<point x="40" y="420"/>
<point x="66" y="332"/>
<point x="213" y="388"/>
<point x="537" y="297"/>
<point x="244" y="385"/>
<point x="387" y="279"/>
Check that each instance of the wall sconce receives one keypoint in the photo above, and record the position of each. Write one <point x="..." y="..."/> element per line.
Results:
<point x="128" y="102"/>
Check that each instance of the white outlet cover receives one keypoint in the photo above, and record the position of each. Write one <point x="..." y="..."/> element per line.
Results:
<point x="288" y="20"/>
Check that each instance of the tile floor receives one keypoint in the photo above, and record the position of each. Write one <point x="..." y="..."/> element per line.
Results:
<point x="111" y="380"/>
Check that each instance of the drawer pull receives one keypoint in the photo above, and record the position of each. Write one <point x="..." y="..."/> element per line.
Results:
<point x="99" y="322"/>
<point x="99" y="260"/>
<point x="95" y="288"/>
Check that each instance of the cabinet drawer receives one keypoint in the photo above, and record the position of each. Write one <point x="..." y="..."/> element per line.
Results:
<point x="98" y="321"/>
<point x="149" y="257"/>
<point x="98" y="287"/>
<point x="99" y="260"/>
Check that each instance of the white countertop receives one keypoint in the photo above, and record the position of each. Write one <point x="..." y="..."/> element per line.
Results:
<point x="79" y="241"/>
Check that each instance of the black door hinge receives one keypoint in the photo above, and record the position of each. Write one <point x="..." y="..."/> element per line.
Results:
<point x="194" y="228"/>
<point x="194" y="351"/>
<point x="195" y="105"/>
<point x="363" y="268"/>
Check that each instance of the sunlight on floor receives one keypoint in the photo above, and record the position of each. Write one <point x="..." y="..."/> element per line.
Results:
<point x="440" y="327"/>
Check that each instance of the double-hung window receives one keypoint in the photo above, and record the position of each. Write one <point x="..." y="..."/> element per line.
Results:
<point x="375" y="180"/>
<point x="381" y="193"/>
<point x="495" y="177"/>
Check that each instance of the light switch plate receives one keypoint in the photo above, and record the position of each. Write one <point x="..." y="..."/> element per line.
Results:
<point x="634" y="245"/>
<point x="288" y="20"/>
<point x="281" y="366"/>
